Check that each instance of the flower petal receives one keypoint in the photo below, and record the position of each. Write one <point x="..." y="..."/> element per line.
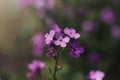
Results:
<point x="76" y="36"/>
<point x="63" y="44"/>
<point x="66" y="39"/>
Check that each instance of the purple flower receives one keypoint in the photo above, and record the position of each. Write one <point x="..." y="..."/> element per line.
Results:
<point x="75" y="50"/>
<point x="49" y="36"/>
<point x="107" y="15"/>
<point x="72" y="33"/>
<point x="62" y="41"/>
<point x="38" y="43"/>
<point x="94" y="57"/>
<point x="88" y="26"/>
<point x="33" y="68"/>
<point x="51" y="48"/>
<point x="115" y="31"/>
<point x="96" y="75"/>
<point x="56" y="28"/>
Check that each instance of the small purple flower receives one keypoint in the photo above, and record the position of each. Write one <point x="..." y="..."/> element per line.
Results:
<point x="49" y="36"/>
<point x="33" y="68"/>
<point x="51" y="48"/>
<point x="96" y="75"/>
<point x="38" y="43"/>
<point x="115" y="31"/>
<point x="62" y="41"/>
<point x="75" y="50"/>
<point x="88" y="26"/>
<point x="36" y="64"/>
<point x="107" y="15"/>
<point x="72" y="33"/>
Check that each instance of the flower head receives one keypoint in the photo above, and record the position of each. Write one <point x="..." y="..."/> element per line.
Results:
<point x="75" y="50"/>
<point x="49" y="36"/>
<point x="96" y="75"/>
<point x="33" y="67"/>
<point x="71" y="33"/>
<point x="38" y="43"/>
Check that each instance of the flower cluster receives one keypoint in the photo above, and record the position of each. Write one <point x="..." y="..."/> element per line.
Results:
<point x="38" y="43"/>
<point x="96" y="75"/>
<point x="63" y="38"/>
<point x="34" y="67"/>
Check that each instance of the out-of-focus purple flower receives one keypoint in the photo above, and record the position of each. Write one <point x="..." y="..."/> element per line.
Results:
<point x="36" y="64"/>
<point x="107" y="15"/>
<point x="88" y="26"/>
<point x="75" y="50"/>
<point x="33" y="67"/>
<point x="38" y="43"/>
<point x="94" y="57"/>
<point x="62" y="41"/>
<point x="96" y="75"/>
<point x="115" y="31"/>
<point x="49" y="36"/>
<point x="30" y="75"/>
<point x="72" y="33"/>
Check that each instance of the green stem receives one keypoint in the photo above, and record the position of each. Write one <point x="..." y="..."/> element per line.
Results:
<point x="56" y="65"/>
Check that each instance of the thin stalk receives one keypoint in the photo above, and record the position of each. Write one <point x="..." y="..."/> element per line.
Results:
<point x="56" y="65"/>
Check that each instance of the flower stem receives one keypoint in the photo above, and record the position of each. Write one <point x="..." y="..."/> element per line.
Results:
<point x="56" y="65"/>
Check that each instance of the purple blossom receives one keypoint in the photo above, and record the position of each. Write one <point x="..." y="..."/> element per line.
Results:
<point x="96" y="75"/>
<point x="107" y="15"/>
<point x="38" y="43"/>
<point x="94" y="57"/>
<point x="88" y="26"/>
<point x="33" y="68"/>
<point x="62" y="41"/>
<point x="115" y="31"/>
<point x="75" y="50"/>
<point x="49" y="36"/>
<point x="71" y="33"/>
<point x="51" y="48"/>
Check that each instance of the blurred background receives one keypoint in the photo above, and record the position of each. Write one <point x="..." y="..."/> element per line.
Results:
<point x="97" y="21"/>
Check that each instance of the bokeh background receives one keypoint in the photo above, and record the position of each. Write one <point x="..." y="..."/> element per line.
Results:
<point x="97" y="21"/>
